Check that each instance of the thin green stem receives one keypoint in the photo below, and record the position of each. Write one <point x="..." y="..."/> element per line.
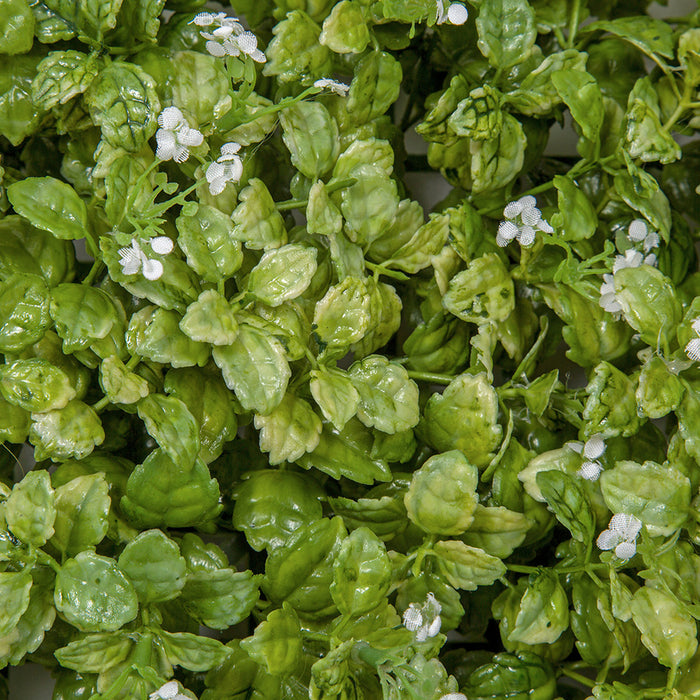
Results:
<point x="430" y="377"/>
<point x="94" y="271"/>
<point x="288" y="204"/>
<point x="381" y="270"/>
<point x="100" y="405"/>
<point x="573" y="24"/>
<point x="133" y="363"/>
<point x="579" y="677"/>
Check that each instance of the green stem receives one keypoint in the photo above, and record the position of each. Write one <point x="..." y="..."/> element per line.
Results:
<point x="288" y="204"/>
<point x="139" y="183"/>
<point x="524" y="569"/>
<point x="133" y="363"/>
<point x="177" y="199"/>
<point x="573" y="24"/>
<point x="381" y="270"/>
<point x="430" y="377"/>
<point x="94" y="271"/>
<point x="671" y="678"/>
<point x="579" y="677"/>
<point x="100" y="405"/>
<point x="47" y="560"/>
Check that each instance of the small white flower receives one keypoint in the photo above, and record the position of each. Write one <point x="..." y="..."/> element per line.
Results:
<point x="692" y="349"/>
<point x="133" y="259"/>
<point x="175" y="136"/>
<point x="227" y="168"/>
<point x="621" y="535"/>
<point x="454" y="696"/>
<point x="639" y="235"/>
<point x="333" y="85"/>
<point x="591" y="451"/>
<point x="456" y="13"/>
<point x="228" y="36"/>
<point x="424" y="620"/>
<point x="608" y="300"/>
<point x="168" y="691"/>
<point x="631" y="258"/>
<point x="523" y="221"/>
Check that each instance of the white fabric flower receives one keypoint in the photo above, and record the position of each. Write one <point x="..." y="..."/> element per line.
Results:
<point x="608" y="300"/>
<point x="591" y="450"/>
<point x="133" y="259"/>
<point x="228" y="36"/>
<point x="621" y="535"/>
<point x="168" y="691"/>
<point x="454" y="696"/>
<point x="175" y="136"/>
<point x="227" y="168"/>
<point x="643" y="241"/>
<point x="333" y="85"/>
<point x="424" y="620"/>
<point x="523" y="221"/>
<point x="456" y="13"/>
<point x="692" y="348"/>
<point x="631" y="258"/>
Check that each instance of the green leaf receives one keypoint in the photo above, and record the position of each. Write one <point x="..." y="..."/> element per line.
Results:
<point x="311" y="136"/>
<point x="576" y="218"/>
<point x="51" y="205"/>
<point x="385" y="516"/>
<point x="300" y="571"/>
<point x="347" y="453"/>
<point x="507" y="32"/>
<point x="95" y="653"/>
<point x="121" y="179"/>
<point x="335" y="394"/>
<point x="345" y="29"/>
<point x="569" y="502"/>
<point x="14" y="422"/>
<point x="289" y="431"/>
<point x="18" y="116"/>
<point x="361" y="573"/>
<point x="580" y="92"/>
<point x="154" y="566"/>
<point x="658" y="495"/>
<point x="668" y="631"/>
<point x="282" y="274"/>
<point x="91" y="17"/>
<point x="82" y="507"/>
<point x="93" y="595"/>
<point x="342" y="316"/>
<point x="159" y="493"/>
<point x="35" y="385"/>
<point x="388" y="397"/>
<point x="155" y="334"/>
<point x="544" y="611"/>
<point x="119" y="384"/>
<point x="270" y="505"/>
<point x="207" y="240"/>
<point x="14" y="598"/>
<point x="72" y="431"/>
<point x="30" y="511"/>
<point x="659" y="390"/>
<point x="651" y="36"/>
<point x="190" y="651"/>
<point x="24" y="311"/>
<point x="220" y="598"/>
<point x="139" y="20"/>
<point x="467" y="567"/>
<point x="61" y="76"/>
<point x="210" y="319"/>
<point x="277" y="643"/>
<point x="497" y="530"/>
<point x="464" y="417"/>
<point x="375" y="86"/>
<point x="258" y="224"/>
<point x="123" y="102"/>
<point x="322" y="215"/>
<point x="49" y="27"/>
<point x="255" y="367"/>
<point x="172" y="426"/>
<point x="16" y="27"/>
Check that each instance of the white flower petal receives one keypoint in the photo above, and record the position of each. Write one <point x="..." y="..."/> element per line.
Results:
<point x="457" y="14"/>
<point x="214" y="172"/>
<point x="651" y="260"/>
<point x="190" y="137"/>
<point x="152" y="269"/>
<point x="575" y="445"/>
<point x="527" y="201"/>
<point x="526" y="236"/>
<point x="169" y="690"/>
<point x="223" y="31"/>
<point x="233" y="170"/>
<point x="434" y="627"/>
<point x="247" y="42"/>
<point x="651" y="241"/>
<point x="161" y="245"/>
<point x="182" y="153"/>
<point x="217" y="185"/>
<point x="594" y="447"/>
<point x="130" y="261"/>
<point x="628" y="526"/>
<point x="455" y="696"/>
<point x="590" y="470"/>
<point x="512" y="209"/>
<point x="215" y="48"/>
<point x="204" y="19"/>
<point x="170" y="118"/>
<point x="230" y="148"/>
<point x="422" y="634"/>
<point x="625" y="550"/>
<point x="608" y="539"/>
<point x="166" y="144"/>
<point x="531" y="216"/>
<point x="412" y="618"/>
<point x="258" y="56"/>
<point x="637" y="230"/>
<point x="696" y="325"/>
<point x="544" y="226"/>
<point x="507" y="231"/>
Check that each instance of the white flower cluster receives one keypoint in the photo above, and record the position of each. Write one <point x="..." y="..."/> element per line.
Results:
<point x="523" y="221"/>
<point x="692" y="348"/>
<point x="133" y="259"/>
<point x="228" y="36"/>
<point x="168" y="691"/>
<point x="640" y="237"/>
<point x="591" y="450"/>
<point x="621" y="535"/>
<point x="228" y="167"/>
<point x="333" y="85"/>
<point x="424" y="619"/>
<point x="456" y="13"/>
<point x="608" y="299"/>
<point x="175" y="136"/>
<point x="454" y="696"/>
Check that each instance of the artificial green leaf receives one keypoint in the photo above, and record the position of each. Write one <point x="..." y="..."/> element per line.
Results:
<point x="467" y="567"/>
<point x="385" y="516"/>
<point x="507" y="32"/>
<point x="172" y="426"/>
<point x="16" y="27"/>
<point x="153" y="564"/>
<point x="374" y="87"/>
<point x="322" y="215"/>
<point x="290" y="430"/>
<point x="659" y="390"/>
<point x="95" y="653"/>
<point x="258" y="224"/>
<point x="191" y="651"/>
<point x="576" y="219"/>
<point x="93" y="595"/>
<point x="30" y="511"/>
<point x="522" y="672"/>
<point x="255" y="367"/>
<point x="282" y="274"/>
<point x="160" y="493"/>
<point x="18" y="116"/>
<point x="82" y="506"/>
<point x="271" y="505"/>
<point x="345" y="29"/>
<point x="581" y="94"/>
<point x="91" y="19"/>
<point x="72" y="431"/>
<point x="569" y="502"/>
<point x="24" y="310"/>
<point x="14" y="598"/>
<point x="442" y="496"/>
<point x="650" y="35"/>
<point x="61" y="76"/>
<point x="119" y="384"/>
<point x="35" y="385"/>
<point x="335" y="394"/>
<point x="497" y="530"/>
<point x="544" y="611"/>
<point x="342" y="316"/>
